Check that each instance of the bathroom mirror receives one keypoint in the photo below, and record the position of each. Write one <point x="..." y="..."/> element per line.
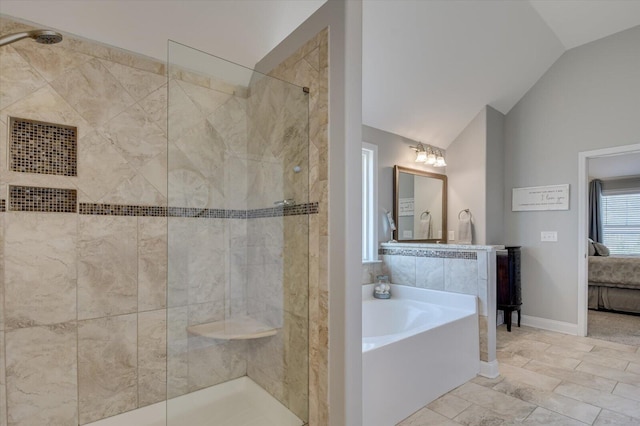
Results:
<point x="419" y="206"/>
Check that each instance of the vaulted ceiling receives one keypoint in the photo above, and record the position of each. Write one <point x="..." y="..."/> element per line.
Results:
<point x="429" y="66"/>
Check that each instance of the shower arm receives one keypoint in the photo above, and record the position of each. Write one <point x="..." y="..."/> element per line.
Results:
<point x="10" y="38"/>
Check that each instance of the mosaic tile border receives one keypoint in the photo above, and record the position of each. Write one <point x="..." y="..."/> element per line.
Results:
<point x="57" y="200"/>
<point x="3" y="206"/>
<point x="129" y="210"/>
<point x="37" y="199"/>
<point x="446" y="254"/>
<point x="299" y="209"/>
<point x="121" y="210"/>
<point x="43" y="148"/>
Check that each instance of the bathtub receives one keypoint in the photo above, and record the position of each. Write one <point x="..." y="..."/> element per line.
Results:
<point x="416" y="346"/>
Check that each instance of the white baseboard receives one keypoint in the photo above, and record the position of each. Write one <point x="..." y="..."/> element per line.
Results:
<point x="547" y="324"/>
<point x="489" y="369"/>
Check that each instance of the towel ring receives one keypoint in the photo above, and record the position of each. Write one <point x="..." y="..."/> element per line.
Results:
<point x="467" y="211"/>
<point x="425" y="213"/>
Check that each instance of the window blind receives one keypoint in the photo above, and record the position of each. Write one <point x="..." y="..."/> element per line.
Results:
<point x="621" y="223"/>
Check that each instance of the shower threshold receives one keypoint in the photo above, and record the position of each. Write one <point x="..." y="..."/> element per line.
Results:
<point x="239" y="402"/>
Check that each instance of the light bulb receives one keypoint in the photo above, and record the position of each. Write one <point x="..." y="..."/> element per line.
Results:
<point x="421" y="156"/>
<point x="431" y="158"/>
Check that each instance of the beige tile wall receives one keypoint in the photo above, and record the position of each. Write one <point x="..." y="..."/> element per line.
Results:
<point x="309" y="67"/>
<point x="81" y="287"/>
<point x="39" y="245"/>
<point x="117" y="266"/>
<point x="278" y="248"/>
<point x="3" y="383"/>
<point x="107" y="366"/>
<point x="41" y="374"/>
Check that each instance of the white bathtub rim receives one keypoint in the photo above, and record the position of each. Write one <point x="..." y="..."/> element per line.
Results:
<point x="459" y="305"/>
<point x="438" y="314"/>
<point x="436" y="297"/>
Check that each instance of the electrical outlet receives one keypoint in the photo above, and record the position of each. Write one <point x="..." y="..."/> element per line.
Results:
<point x="452" y="235"/>
<point x="549" y="236"/>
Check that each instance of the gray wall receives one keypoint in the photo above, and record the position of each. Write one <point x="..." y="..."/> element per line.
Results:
<point x="495" y="177"/>
<point x="466" y="171"/>
<point x="475" y="168"/>
<point x="405" y="190"/>
<point x="392" y="150"/>
<point x="589" y="99"/>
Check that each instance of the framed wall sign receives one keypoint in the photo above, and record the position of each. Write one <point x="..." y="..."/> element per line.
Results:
<point x="552" y="197"/>
<point x="405" y="207"/>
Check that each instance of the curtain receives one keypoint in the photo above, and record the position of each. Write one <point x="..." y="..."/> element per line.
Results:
<point x="595" y="210"/>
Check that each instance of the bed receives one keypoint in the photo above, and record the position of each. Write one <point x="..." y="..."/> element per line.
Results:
<point x="614" y="283"/>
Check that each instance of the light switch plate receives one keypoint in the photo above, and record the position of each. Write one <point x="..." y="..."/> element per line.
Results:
<point x="549" y="236"/>
<point x="452" y="235"/>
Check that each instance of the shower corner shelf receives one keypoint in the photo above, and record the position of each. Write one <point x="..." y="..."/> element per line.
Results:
<point x="241" y="328"/>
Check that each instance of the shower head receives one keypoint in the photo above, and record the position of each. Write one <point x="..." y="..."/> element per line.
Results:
<point x="40" y="36"/>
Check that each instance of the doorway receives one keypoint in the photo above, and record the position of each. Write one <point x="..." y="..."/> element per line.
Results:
<point x="583" y="197"/>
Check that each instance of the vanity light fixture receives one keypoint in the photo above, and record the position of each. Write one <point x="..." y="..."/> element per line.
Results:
<point x="421" y="153"/>
<point x="429" y="155"/>
<point x="440" y="160"/>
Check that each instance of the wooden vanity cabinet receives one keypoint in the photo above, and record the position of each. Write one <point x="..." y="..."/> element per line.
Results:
<point x="509" y="290"/>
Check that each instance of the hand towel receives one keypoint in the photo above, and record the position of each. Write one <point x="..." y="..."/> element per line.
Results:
<point x="425" y="227"/>
<point x="464" y="230"/>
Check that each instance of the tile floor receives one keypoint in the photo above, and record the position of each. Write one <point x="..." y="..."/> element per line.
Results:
<point x="546" y="378"/>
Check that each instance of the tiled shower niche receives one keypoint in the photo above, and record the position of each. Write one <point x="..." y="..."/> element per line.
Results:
<point x="36" y="199"/>
<point x="44" y="148"/>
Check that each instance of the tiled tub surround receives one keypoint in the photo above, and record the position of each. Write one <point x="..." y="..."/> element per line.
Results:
<point x="466" y="269"/>
<point x="102" y="312"/>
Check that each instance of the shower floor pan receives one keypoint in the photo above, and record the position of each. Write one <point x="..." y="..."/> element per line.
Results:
<point x="239" y="402"/>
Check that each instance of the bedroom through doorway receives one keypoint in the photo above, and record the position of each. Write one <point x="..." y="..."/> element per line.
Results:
<point x="609" y="244"/>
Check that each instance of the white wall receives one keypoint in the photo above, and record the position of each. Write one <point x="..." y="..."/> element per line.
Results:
<point x="589" y="99"/>
<point x="392" y="150"/>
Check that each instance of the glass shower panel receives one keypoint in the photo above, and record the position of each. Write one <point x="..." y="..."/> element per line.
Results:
<point x="238" y="188"/>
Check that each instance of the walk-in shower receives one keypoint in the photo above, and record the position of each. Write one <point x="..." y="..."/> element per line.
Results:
<point x="238" y="262"/>
<point x="146" y="276"/>
<point x="40" y="36"/>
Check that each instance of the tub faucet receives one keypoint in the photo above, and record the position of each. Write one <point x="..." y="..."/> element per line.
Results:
<point x="382" y="290"/>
